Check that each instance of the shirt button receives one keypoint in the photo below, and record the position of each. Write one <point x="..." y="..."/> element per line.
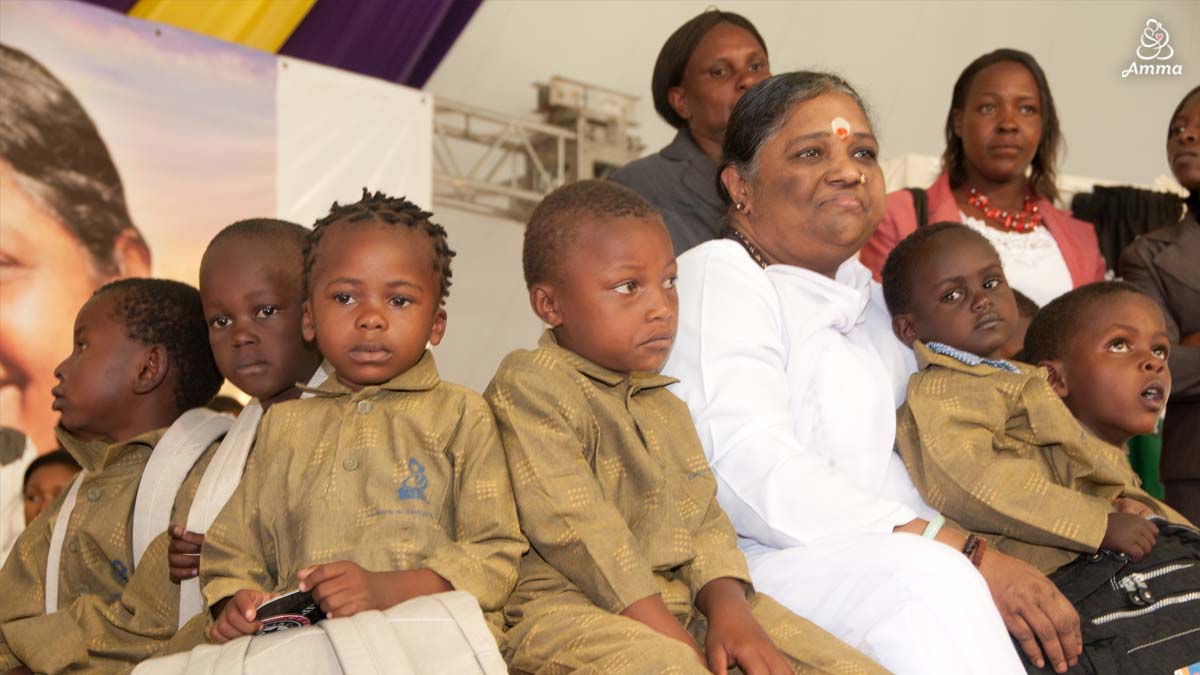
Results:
<point x="73" y="547"/>
<point x="93" y="494"/>
<point x="350" y="464"/>
<point x="364" y="407"/>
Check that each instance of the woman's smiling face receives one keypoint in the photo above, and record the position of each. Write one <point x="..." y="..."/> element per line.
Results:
<point x="818" y="192"/>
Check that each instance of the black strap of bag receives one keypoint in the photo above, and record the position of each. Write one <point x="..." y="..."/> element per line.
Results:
<point x="920" y="205"/>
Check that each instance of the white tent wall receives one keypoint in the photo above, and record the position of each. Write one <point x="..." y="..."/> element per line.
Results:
<point x="902" y="56"/>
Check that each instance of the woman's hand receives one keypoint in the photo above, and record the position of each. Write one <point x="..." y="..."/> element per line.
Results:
<point x="238" y="616"/>
<point x="183" y="555"/>
<point x="1034" y="610"/>
<point x="735" y="638"/>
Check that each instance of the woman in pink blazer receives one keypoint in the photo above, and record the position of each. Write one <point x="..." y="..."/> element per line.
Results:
<point x="1002" y="125"/>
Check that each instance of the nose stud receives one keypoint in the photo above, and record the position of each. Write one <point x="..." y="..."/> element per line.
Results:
<point x="862" y="179"/>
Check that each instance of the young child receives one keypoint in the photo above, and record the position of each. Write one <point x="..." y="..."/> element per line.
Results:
<point x="633" y="566"/>
<point x="140" y="359"/>
<point x="388" y="483"/>
<point x="45" y="479"/>
<point x="988" y="442"/>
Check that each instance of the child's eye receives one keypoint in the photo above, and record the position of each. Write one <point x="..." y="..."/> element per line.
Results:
<point x="399" y="301"/>
<point x="1028" y="110"/>
<point x="986" y="108"/>
<point x="1175" y="131"/>
<point x="1119" y="345"/>
<point x="992" y="284"/>
<point x="220" y="322"/>
<point x="952" y="296"/>
<point x="266" y="311"/>
<point x="342" y="298"/>
<point x="1161" y="351"/>
<point x="80" y="345"/>
<point x="670" y="282"/>
<point x="626" y="288"/>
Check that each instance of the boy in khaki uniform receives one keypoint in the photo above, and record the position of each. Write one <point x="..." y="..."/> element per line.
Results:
<point x="140" y="359"/>
<point x="632" y="566"/>
<point x="388" y="483"/>
<point x="990" y="443"/>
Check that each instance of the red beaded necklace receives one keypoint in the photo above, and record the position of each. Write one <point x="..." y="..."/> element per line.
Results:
<point x="1025" y="221"/>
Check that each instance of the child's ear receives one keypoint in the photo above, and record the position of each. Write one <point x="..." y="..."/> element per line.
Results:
<point x="1056" y="376"/>
<point x="307" y="330"/>
<point x="439" y="327"/>
<point x="545" y="305"/>
<point x="902" y="326"/>
<point x="152" y="370"/>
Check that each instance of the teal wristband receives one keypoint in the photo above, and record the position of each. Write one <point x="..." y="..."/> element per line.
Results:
<point x="934" y="526"/>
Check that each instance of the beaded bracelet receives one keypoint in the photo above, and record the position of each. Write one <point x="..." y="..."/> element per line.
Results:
<point x="973" y="549"/>
<point x="934" y="526"/>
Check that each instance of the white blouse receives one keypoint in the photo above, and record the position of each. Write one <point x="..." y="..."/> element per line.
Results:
<point x="1033" y="263"/>
<point x="793" y="380"/>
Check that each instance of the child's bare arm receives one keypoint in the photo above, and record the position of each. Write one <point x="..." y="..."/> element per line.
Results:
<point x="735" y="638"/>
<point x="344" y="588"/>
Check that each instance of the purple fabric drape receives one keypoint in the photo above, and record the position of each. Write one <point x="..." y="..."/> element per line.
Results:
<point x="397" y="40"/>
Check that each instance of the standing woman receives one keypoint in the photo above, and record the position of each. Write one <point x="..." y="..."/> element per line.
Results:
<point x="701" y="72"/>
<point x="1164" y="264"/>
<point x="786" y="359"/>
<point x="1002" y="124"/>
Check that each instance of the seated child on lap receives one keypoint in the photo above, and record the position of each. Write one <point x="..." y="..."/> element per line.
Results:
<point x="632" y="561"/>
<point x="388" y="483"/>
<point x="989" y="442"/>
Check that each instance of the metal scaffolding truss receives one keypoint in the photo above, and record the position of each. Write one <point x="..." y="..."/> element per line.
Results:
<point x="502" y="165"/>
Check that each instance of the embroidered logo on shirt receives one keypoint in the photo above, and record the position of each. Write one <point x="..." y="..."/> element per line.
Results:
<point x="414" y="486"/>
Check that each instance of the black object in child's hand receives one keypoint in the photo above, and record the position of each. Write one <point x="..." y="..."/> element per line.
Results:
<point x="290" y="610"/>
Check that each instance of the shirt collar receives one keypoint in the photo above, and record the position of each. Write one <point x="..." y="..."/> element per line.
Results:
<point x="957" y="359"/>
<point x="421" y="377"/>
<point x="98" y="454"/>
<point x="638" y="380"/>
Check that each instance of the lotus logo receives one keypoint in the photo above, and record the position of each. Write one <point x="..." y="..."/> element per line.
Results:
<point x="1154" y="45"/>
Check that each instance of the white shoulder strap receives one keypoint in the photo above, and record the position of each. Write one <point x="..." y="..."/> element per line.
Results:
<point x="173" y="457"/>
<point x="54" y="558"/>
<point x="220" y="479"/>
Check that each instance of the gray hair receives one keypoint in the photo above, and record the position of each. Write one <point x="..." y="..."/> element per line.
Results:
<point x="762" y="112"/>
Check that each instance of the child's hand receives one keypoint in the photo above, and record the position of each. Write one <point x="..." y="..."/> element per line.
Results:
<point x="238" y="616"/>
<point x="1129" y="534"/>
<point x="735" y="638"/>
<point x="1129" y="505"/>
<point x="183" y="556"/>
<point x="344" y="589"/>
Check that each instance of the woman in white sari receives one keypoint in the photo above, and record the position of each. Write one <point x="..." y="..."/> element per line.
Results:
<point x="787" y="361"/>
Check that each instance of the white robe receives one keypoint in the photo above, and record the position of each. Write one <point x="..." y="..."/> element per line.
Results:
<point x="793" y="379"/>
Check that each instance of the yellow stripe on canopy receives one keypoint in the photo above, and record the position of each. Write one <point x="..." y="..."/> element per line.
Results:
<point x="262" y="24"/>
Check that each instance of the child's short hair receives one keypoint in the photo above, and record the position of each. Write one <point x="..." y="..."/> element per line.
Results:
<point x="1052" y="328"/>
<point x="264" y="229"/>
<point x="59" y="456"/>
<point x="898" y="269"/>
<point x="169" y="313"/>
<point x="381" y="208"/>
<point x="1026" y="307"/>
<point x="553" y="225"/>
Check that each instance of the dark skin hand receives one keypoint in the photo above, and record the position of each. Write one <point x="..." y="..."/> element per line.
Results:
<point x="653" y="612"/>
<point x="183" y="555"/>
<point x="735" y="638"/>
<point x="1130" y="534"/>
<point x="344" y="589"/>
<point x="236" y="616"/>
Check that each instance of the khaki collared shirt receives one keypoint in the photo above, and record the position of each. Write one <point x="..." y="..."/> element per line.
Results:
<point x="97" y="550"/>
<point x="612" y="487"/>
<point x="405" y="475"/>
<point x="1001" y="454"/>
